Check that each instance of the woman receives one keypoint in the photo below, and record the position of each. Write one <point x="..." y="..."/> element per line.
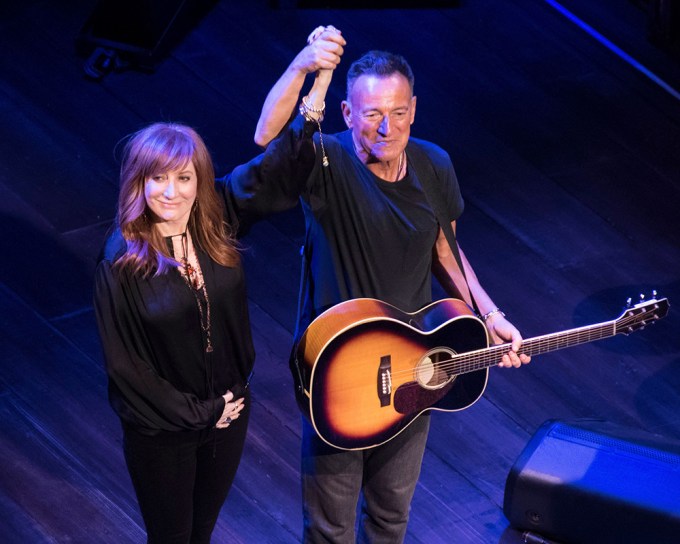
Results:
<point x="172" y="313"/>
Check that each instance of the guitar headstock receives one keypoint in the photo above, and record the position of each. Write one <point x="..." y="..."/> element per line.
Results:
<point x="638" y="316"/>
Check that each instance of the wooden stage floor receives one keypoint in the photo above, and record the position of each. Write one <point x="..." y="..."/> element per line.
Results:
<point x="568" y="158"/>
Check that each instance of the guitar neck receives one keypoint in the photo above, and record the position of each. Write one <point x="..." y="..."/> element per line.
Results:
<point x="488" y="357"/>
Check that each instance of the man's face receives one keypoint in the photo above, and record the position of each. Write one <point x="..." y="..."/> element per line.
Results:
<point x="380" y="112"/>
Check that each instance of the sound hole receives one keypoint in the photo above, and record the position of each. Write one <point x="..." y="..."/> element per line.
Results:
<point x="433" y="370"/>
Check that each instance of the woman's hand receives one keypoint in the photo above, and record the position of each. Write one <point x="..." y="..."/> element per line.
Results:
<point x="231" y="412"/>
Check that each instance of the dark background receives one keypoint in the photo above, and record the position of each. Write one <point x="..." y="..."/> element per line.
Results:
<point x="568" y="158"/>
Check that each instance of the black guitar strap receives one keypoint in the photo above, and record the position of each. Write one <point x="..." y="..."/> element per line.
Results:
<point x="293" y="362"/>
<point x="423" y="166"/>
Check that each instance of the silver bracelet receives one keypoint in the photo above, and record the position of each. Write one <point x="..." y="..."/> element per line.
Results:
<point x="493" y="312"/>
<point x="308" y="107"/>
<point x="304" y="111"/>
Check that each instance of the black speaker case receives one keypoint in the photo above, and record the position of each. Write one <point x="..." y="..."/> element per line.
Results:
<point x="588" y="481"/>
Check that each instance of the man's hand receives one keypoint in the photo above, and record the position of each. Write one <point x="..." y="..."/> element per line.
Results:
<point x="502" y="331"/>
<point x="323" y="52"/>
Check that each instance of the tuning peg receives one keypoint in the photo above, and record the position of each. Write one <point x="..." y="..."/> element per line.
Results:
<point x="629" y="302"/>
<point x="642" y="297"/>
<point x="654" y="293"/>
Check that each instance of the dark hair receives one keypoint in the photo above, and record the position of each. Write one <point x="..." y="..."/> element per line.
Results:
<point x="381" y="64"/>
<point x="159" y="148"/>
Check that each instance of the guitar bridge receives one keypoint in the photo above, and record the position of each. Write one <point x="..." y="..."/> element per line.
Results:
<point x="385" y="380"/>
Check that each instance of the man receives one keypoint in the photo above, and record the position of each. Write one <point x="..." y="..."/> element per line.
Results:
<point x="371" y="232"/>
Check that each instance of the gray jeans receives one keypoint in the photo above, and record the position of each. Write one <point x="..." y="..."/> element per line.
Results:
<point x="385" y="476"/>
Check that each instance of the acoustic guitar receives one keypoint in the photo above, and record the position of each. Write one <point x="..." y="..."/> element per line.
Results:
<point x="367" y="369"/>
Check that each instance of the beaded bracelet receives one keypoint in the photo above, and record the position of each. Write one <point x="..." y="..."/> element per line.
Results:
<point x="305" y="108"/>
<point x="308" y="107"/>
<point x="493" y="312"/>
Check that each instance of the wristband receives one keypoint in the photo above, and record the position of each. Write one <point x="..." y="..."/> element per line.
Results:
<point x="493" y="312"/>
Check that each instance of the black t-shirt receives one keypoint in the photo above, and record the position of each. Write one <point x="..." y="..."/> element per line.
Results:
<point x="367" y="237"/>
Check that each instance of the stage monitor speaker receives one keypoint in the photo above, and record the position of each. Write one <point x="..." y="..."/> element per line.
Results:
<point x="589" y="481"/>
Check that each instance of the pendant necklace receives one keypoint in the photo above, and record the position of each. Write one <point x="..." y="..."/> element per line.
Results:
<point x="400" y="165"/>
<point x="196" y="283"/>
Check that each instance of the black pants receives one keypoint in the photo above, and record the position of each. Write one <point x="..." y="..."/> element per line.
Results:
<point x="182" y="478"/>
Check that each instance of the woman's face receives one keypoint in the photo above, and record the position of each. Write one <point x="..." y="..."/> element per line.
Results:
<point x="170" y="196"/>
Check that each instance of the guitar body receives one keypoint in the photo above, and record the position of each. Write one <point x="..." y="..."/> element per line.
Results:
<point x="366" y="369"/>
<point x="369" y="369"/>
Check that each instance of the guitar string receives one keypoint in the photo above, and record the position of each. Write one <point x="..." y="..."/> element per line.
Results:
<point x="465" y="362"/>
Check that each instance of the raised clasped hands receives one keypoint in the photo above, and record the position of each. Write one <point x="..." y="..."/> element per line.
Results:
<point x="323" y="52"/>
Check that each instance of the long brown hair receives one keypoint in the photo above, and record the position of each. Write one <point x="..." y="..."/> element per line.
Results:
<point x="158" y="148"/>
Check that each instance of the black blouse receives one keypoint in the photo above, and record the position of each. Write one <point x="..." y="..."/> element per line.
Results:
<point x="160" y="376"/>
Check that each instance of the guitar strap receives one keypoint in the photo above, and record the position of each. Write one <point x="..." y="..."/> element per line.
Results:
<point x="428" y="179"/>
<point x="301" y="309"/>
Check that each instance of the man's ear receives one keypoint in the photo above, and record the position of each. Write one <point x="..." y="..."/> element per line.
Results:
<point x="346" y="113"/>
<point x="413" y="109"/>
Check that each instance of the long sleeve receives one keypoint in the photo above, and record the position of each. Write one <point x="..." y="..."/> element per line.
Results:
<point x="272" y="181"/>
<point x="138" y="393"/>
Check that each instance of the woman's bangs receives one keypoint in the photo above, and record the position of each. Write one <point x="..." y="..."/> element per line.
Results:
<point x="170" y="153"/>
